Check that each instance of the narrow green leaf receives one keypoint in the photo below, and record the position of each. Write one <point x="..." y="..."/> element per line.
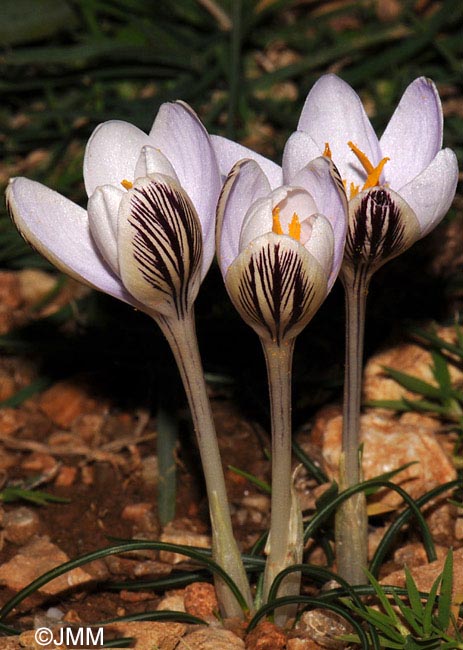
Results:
<point x="388" y="475"/>
<point x="413" y="383"/>
<point x="413" y="594"/>
<point x="327" y="498"/>
<point x="262" y="485"/>
<point x="429" y="607"/>
<point x="445" y="596"/>
<point x="441" y="372"/>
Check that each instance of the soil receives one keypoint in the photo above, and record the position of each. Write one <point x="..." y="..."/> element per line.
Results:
<point x="76" y="441"/>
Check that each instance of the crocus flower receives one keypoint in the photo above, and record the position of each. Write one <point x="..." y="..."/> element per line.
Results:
<point x="279" y="251"/>
<point x="148" y="235"/>
<point x="399" y="186"/>
<point x="147" y="238"/>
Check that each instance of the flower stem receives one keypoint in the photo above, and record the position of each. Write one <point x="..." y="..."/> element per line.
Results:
<point x="351" y="518"/>
<point x="285" y="544"/>
<point x="181" y="335"/>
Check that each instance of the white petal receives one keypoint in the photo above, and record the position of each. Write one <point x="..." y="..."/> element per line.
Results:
<point x="103" y="208"/>
<point x="179" y="134"/>
<point x="334" y="114"/>
<point x="321" y="243"/>
<point x="322" y="180"/>
<point x="229" y="153"/>
<point x="112" y="153"/>
<point x="245" y="184"/>
<point x="153" y="161"/>
<point x="431" y="193"/>
<point x="258" y="221"/>
<point x="299" y="150"/>
<point x="59" y="230"/>
<point x="293" y="201"/>
<point x="414" y="133"/>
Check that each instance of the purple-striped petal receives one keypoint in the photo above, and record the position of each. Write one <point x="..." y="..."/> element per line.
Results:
<point x="59" y="230"/>
<point x="277" y="286"/>
<point x="112" y="153"/>
<point x="229" y="153"/>
<point x="160" y="247"/>
<point x="181" y="137"/>
<point x="414" y="133"/>
<point x="245" y="184"/>
<point x="431" y="193"/>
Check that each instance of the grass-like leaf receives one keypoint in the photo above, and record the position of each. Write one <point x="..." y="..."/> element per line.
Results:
<point x="12" y="494"/>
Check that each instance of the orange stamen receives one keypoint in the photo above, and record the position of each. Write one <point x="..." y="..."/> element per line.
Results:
<point x="127" y="184"/>
<point x="294" y="230"/>
<point x="373" y="177"/>
<point x="373" y="173"/>
<point x="327" y="151"/>
<point x="276" y="226"/>
<point x="354" y="190"/>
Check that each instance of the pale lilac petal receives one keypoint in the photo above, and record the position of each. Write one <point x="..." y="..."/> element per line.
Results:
<point x="293" y="200"/>
<point x="431" y="193"/>
<point x="153" y="161"/>
<point x="321" y="243"/>
<point x="322" y="180"/>
<point x="245" y="184"/>
<point x="181" y="137"/>
<point x="229" y="153"/>
<point x="103" y="208"/>
<point x="334" y="114"/>
<point x="299" y="150"/>
<point x="414" y="133"/>
<point x="258" y="221"/>
<point x="112" y="153"/>
<point x="59" y="230"/>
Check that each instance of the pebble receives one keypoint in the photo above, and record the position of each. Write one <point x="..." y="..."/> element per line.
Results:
<point x="200" y="599"/>
<point x="388" y="443"/>
<point x="11" y="420"/>
<point x="20" y="524"/>
<point x="35" y="285"/>
<point x="213" y="638"/>
<point x="142" y="517"/>
<point x="409" y="358"/>
<point x="88" y="426"/>
<point x="35" y="558"/>
<point x="302" y="644"/>
<point x="323" y="627"/>
<point x="172" y="602"/>
<point x="65" y="401"/>
<point x="266" y="636"/>
<point x="66" y="476"/>
<point x="150" y="635"/>
<point x="425" y="575"/>
<point x="184" y="537"/>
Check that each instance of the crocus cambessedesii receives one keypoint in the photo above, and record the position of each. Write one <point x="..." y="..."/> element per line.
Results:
<point x="147" y="238"/>
<point x="399" y="188"/>
<point x="279" y="250"/>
